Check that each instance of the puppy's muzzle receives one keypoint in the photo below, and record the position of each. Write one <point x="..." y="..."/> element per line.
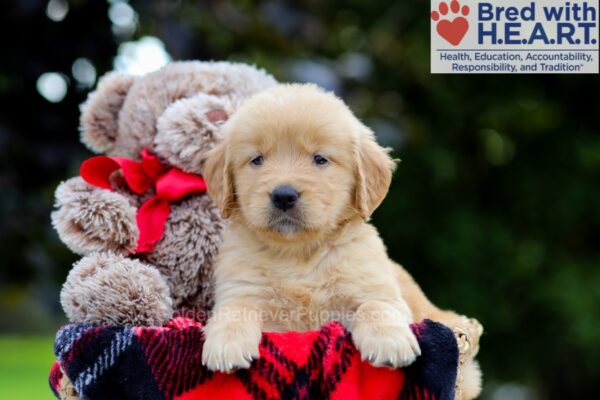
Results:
<point x="284" y="197"/>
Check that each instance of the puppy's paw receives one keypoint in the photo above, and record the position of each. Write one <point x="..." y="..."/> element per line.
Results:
<point x="230" y="345"/>
<point x="391" y="346"/>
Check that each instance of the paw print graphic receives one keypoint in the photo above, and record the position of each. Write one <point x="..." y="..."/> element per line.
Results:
<point x="452" y="30"/>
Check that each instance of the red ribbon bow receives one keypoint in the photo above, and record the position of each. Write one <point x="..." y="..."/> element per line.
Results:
<point x="170" y="184"/>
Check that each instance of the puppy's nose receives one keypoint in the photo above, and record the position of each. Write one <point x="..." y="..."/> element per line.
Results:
<point x="284" y="197"/>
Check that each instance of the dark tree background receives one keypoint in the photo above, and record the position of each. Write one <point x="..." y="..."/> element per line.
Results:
<point x="494" y="208"/>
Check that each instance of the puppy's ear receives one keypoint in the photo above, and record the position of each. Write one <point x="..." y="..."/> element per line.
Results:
<point x="374" y="169"/>
<point x="218" y="178"/>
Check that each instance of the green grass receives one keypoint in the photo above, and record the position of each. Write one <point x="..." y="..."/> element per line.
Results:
<point x="24" y="367"/>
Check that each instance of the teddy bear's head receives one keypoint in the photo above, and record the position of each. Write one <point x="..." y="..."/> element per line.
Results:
<point x="174" y="112"/>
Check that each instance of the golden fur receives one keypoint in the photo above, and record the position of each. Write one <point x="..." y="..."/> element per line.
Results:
<point x="321" y="260"/>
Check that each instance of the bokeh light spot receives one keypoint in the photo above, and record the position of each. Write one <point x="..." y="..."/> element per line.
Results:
<point x="499" y="149"/>
<point x="57" y="10"/>
<point x="355" y="66"/>
<point x="317" y="71"/>
<point x="141" y="57"/>
<point x="121" y="14"/>
<point x="52" y="86"/>
<point x="84" y="72"/>
<point x="124" y="19"/>
<point x="512" y="391"/>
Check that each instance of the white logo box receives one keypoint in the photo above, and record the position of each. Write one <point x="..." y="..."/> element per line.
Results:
<point x="511" y="36"/>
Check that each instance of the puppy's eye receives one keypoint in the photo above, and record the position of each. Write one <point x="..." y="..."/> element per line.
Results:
<point x="257" y="160"/>
<point x="320" y="160"/>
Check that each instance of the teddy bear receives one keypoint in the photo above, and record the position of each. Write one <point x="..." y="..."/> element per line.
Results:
<point x="139" y="215"/>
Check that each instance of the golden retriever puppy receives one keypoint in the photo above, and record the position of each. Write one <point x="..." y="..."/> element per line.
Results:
<point x="298" y="175"/>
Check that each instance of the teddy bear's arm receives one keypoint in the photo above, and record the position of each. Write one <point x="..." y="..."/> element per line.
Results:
<point x="90" y="219"/>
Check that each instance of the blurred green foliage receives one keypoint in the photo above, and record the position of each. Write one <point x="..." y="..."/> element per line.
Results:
<point x="494" y="207"/>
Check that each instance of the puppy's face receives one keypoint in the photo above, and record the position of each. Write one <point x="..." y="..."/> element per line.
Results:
<point x="295" y="163"/>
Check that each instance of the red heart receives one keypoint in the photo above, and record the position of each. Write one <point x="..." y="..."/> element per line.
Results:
<point x="453" y="31"/>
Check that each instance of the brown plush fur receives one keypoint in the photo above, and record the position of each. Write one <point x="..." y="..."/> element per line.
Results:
<point x="92" y="219"/>
<point x="221" y="85"/>
<point x="177" y="113"/>
<point x="319" y="260"/>
<point x="136" y="291"/>
<point x="100" y="114"/>
<point x="194" y="230"/>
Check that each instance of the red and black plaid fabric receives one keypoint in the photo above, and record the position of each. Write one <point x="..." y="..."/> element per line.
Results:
<point x="105" y="362"/>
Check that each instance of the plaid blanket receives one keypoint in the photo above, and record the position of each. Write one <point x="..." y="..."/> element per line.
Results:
<point x="105" y="362"/>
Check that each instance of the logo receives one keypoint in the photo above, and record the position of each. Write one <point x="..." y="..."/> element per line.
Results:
<point x="451" y="26"/>
<point x="514" y="36"/>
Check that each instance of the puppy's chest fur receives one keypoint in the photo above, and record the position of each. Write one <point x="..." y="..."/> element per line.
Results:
<point x="304" y="297"/>
<point x="297" y="293"/>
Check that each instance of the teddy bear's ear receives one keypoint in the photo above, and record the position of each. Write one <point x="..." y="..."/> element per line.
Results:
<point x="191" y="127"/>
<point x="99" y="123"/>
